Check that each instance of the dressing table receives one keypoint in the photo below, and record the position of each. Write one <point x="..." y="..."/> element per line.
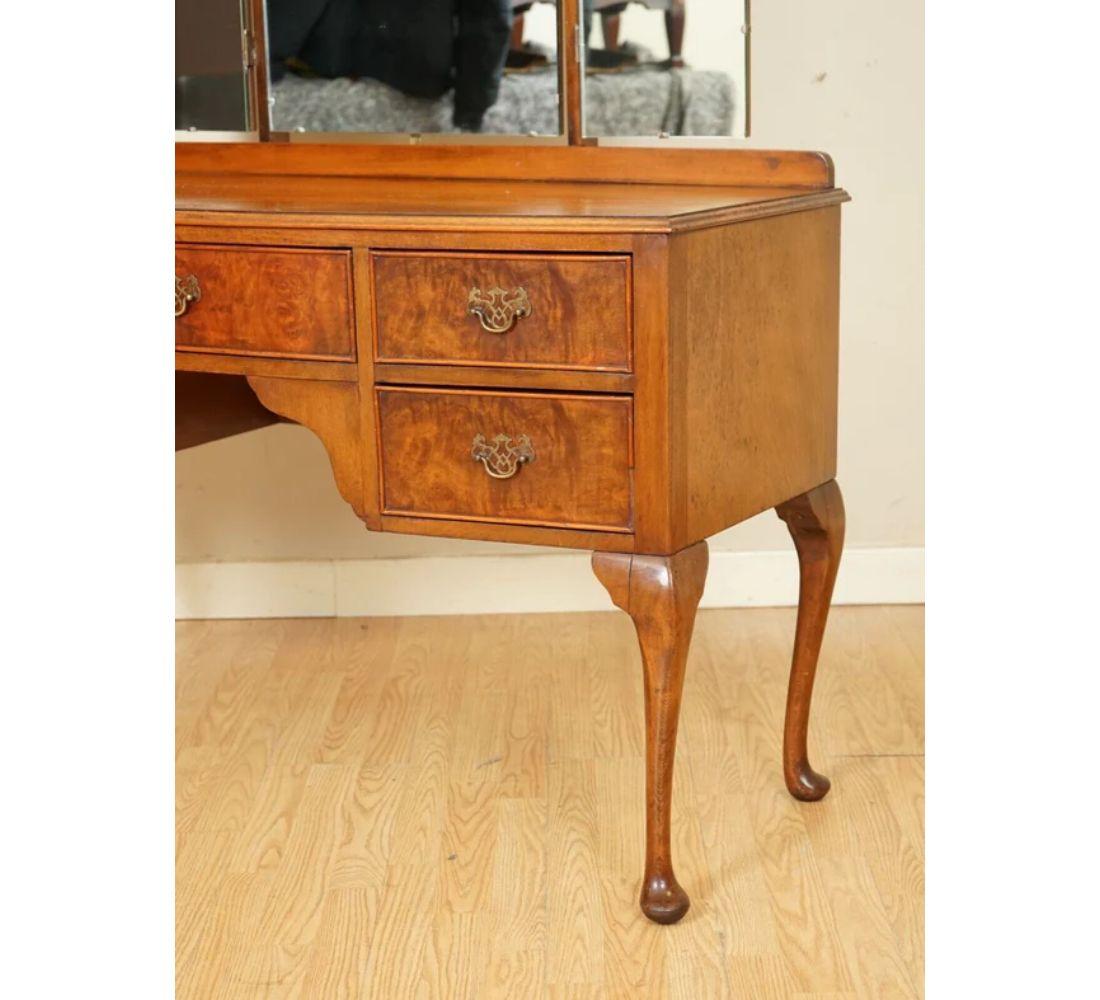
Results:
<point x="623" y="349"/>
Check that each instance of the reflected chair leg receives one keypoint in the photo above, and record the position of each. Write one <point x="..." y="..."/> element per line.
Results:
<point x="660" y="593"/>
<point x="611" y="24"/>
<point x="675" y="19"/>
<point x="816" y="523"/>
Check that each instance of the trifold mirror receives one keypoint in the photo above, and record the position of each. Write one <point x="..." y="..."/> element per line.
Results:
<point x="456" y="70"/>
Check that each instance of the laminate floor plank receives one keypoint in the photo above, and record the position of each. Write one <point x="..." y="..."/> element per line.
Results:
<point x="338" y="957"/>
<point x="453" y="807"/>
<point x="280" y="952"/>
<point x="206" y="699"/>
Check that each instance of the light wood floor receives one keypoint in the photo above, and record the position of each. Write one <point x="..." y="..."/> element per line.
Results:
<point x="452" y="808"/>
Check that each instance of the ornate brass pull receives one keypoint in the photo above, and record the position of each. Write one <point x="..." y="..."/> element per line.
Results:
<point x="504" y="456"/>
<point x="187" y="291"/>
<point x="498" y="309"/>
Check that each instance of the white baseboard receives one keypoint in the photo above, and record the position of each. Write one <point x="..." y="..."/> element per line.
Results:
<point x="462" y="585"/>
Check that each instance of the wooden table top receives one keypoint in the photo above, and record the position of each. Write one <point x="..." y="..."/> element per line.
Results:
<point x="372" y="202"/>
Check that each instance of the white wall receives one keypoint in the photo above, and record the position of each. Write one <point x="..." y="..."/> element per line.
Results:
<point x="848" y="78"/>
<point x="842" y="77"/>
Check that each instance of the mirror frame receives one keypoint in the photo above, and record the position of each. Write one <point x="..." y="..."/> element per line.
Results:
<point x="570" y="100"/>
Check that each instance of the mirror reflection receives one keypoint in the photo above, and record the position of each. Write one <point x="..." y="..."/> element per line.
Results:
<point x="430" y="66"/>
<point x="650" y="67"/>
<point x="211" y="80"/>
<point x="671" y="67"/>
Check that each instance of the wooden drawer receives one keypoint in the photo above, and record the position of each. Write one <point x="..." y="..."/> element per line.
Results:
<point x="567" y="311"/>
<point x="580" y="448"/>
<point x="274" y="302"/>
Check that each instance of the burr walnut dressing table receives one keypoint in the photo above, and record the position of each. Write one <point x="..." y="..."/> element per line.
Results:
<point x="619" y="349"/>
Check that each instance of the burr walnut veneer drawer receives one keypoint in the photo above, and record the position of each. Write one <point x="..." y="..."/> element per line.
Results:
<point x="521" y="458"/>
<point x="569" y="311"/>
<point x="276" y="302"/>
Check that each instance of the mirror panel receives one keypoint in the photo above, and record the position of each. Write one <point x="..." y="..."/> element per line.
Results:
<point x="428" y="67"/>
<point x="665" y="67"/>
<point x="646" y="69"/>
<point x="212" y="82"/>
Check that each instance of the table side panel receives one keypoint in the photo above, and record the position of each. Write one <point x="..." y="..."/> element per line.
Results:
<point x="754" y="320"/>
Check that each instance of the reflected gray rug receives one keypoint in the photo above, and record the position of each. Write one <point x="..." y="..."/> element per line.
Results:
<point x="645" y="102"/>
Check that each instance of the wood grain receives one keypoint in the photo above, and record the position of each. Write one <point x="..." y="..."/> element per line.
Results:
<point x="330" y="873"/>
<point x="579" y="310"/>
<point x="605" y="541"/>
<point x="580" y="476"/>
<point x="660" y="479"/>
<point x="235" y="364"/>
<point x="503" y="378"/>
<point x="660" y="593"/>
<point x="754" y="332"/>
<point x="260" y="232"/>
<point x="815" y="521"/>
<point x="454" y="207"/>
<point x="725" y="167"/>
<point x="284" y="302"/>
<point x="331" y="410"/>
<point x="570" y="73"/>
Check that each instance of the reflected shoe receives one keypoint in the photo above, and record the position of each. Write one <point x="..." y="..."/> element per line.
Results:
<point x="606" y="61"/>
<point x="525" y="59"/>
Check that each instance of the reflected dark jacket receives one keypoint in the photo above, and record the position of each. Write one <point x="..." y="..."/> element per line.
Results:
<point x="421" y="47"/>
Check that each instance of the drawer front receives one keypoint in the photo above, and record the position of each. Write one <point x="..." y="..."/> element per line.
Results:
<point x="274" y="302"/>
<point x="521" y="458"/>
<point x="527" y="311"/>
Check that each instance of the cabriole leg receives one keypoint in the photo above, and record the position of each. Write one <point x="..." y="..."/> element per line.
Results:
<point x="660" y="593"/>
<point x="816" y="523"/>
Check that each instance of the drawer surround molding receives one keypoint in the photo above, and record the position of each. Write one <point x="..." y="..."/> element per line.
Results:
<point x="531" y="341"/>
<point x="267" y="283"/>
<point x="515" y="414"/>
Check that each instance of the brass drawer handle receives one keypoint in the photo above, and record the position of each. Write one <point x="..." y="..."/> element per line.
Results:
<point x="187" y="291"/>
<point x="504" y="456"/>
<point x="498" y="309"/>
